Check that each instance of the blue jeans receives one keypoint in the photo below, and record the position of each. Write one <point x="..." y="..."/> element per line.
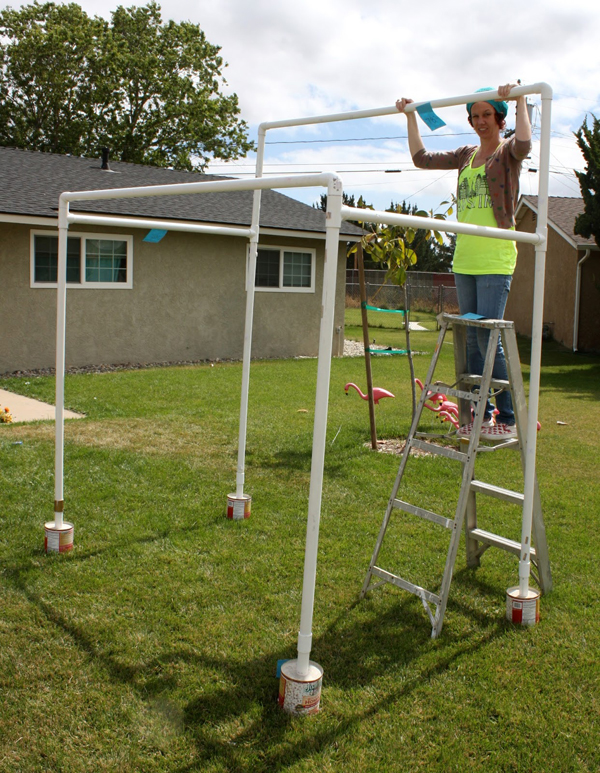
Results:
<point x="486" y="294"/>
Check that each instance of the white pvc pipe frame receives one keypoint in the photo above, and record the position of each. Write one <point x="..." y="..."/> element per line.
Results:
<point x="335" y="214"/>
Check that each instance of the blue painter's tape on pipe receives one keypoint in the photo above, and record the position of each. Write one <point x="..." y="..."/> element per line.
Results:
<point x="432" y="120"/>
<point x="155" y="235"/>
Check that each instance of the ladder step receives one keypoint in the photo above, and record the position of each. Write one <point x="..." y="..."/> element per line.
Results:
<point x="405" y="585"/>
<point x="499" y="542"/>
<point x="432" y="448"/>
<point x="452" y="392"/>
<point x="496" y="491"/>
<point x="454" y="319"/>
<point x="448" y="523"/>
<point x="495" y="383"/>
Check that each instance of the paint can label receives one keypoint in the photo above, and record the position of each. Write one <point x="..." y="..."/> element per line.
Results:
<point x="523" y="611"/>
<point x="238" y="508"/>
<point x="58" y="541"/>
<point x="300" y="697"/>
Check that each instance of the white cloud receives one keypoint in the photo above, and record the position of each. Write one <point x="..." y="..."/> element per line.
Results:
<point x="290" y="59"/>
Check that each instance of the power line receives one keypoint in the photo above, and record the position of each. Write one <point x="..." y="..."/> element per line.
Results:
<point x="378" y="139"/>
<point x="360" y="139"/>
<point x="558" y="166"/>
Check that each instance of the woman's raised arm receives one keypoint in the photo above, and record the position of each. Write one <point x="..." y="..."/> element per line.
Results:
<point x="522" y="123"/>
<point x="415" y="143"/>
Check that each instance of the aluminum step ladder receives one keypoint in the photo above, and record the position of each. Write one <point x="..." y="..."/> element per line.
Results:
<point x="469" y="390"/>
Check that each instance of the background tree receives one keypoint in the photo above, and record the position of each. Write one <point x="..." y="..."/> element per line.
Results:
<point x="432" y="254"/>
<point x="148" y="90"/>
<point x="588" y="223"/>
<point x="432" y="251"/>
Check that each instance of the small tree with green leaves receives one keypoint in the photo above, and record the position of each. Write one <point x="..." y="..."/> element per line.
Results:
<point x="391" y="246"/>
<point x="588" y="139"/>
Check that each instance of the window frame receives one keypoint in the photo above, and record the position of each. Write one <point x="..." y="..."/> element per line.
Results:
<point x="283" y="249"/>
<point x="83" y="284"/>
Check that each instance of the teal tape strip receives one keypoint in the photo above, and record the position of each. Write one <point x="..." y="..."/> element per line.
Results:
<point x="432" y="120"/>
<point x="385" y="311"/>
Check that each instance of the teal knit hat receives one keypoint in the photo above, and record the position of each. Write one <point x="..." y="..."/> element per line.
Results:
<point x="499" y="107"/>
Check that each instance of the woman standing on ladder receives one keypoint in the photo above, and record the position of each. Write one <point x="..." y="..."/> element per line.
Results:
<point x="488" y="191"/>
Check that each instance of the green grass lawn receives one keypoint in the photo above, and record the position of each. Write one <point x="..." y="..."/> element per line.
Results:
<point x="153" y="645"/>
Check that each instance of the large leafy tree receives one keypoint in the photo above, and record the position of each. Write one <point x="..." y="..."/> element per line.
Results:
<point x="588" y="139"/>
<point x="148" y="90"/>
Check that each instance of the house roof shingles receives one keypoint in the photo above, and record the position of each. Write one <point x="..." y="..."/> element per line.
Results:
<point x="562" y="212"/>
<point x="33" y="181"/>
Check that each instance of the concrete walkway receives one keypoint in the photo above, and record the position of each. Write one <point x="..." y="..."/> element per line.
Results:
<point x="27" y="409"/>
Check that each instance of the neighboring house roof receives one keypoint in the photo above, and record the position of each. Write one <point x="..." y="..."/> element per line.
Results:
<point x="562" y="212"/>
<point x="31" y="183"/>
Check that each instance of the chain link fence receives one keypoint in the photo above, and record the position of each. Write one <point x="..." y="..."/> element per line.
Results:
<point x="428" y="292"/>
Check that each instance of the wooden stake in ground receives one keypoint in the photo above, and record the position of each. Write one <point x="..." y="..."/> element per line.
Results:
<point x="365" y="326"/>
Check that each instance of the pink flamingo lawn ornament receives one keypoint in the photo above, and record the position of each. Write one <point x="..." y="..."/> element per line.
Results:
<point x="378" y="393"/>
<point x="445" y="409"/>
<point x="436" y="402"/>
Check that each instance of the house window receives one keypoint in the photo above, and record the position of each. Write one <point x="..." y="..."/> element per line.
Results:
<point x="45" y="266"/>
<point x="93" y="260"/>
<point x="285" y="270"/>
<point x="105" y="260"/>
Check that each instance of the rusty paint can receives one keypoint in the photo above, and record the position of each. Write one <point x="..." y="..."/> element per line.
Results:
<point x="238" y="507"/>
<point x="58" y="539"/>
<point x="523" y="610"/>
<point x="300" y="694"/>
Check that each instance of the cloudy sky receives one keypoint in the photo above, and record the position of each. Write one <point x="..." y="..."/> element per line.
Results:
<point x="289" y="59"/>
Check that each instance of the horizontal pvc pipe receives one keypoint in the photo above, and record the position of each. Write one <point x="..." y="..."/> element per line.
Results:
<point x="431" y="223"/>
<point x="537" y="88"/>
<point x="166" y="225"/>
<point x="519" y="91"/>
<point x="213" y="186"/>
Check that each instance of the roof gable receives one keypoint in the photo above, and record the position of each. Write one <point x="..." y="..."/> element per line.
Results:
<point x="32" y="182"/>
<point x="562" y="212"/>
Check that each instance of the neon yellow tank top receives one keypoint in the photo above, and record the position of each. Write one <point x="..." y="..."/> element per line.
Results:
<point x="479" y="254"/>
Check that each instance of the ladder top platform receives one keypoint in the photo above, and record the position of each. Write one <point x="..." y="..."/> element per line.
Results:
<point x="456" y="319"/>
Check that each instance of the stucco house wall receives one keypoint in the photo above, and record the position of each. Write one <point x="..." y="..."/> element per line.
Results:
<point x="564" y="250"/>
<point x="184" y="297"/>
<point x="187" y="303"/>
<point x="559" y="286"/>
<point x="589" y="320"/>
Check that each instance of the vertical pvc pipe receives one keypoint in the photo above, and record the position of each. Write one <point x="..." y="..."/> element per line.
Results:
<point x="250" y="281"/>
<point x="332" y="240"/>
<point x="61" y="319"/>
<point x="536" y="344"/>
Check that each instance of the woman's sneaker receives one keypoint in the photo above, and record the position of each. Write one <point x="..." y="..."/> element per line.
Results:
<point x="499" y="432"/>
<point x="466" y="430"/>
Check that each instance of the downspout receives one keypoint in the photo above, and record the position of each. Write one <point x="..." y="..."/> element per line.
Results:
<point x="578" y="299"/>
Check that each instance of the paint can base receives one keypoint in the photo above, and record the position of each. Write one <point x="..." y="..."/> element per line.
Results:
<point x="300" y="694"/>
<point x="238" y="507"/>
<point x="523" y="610"/>
<point x="58" y="539"/>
